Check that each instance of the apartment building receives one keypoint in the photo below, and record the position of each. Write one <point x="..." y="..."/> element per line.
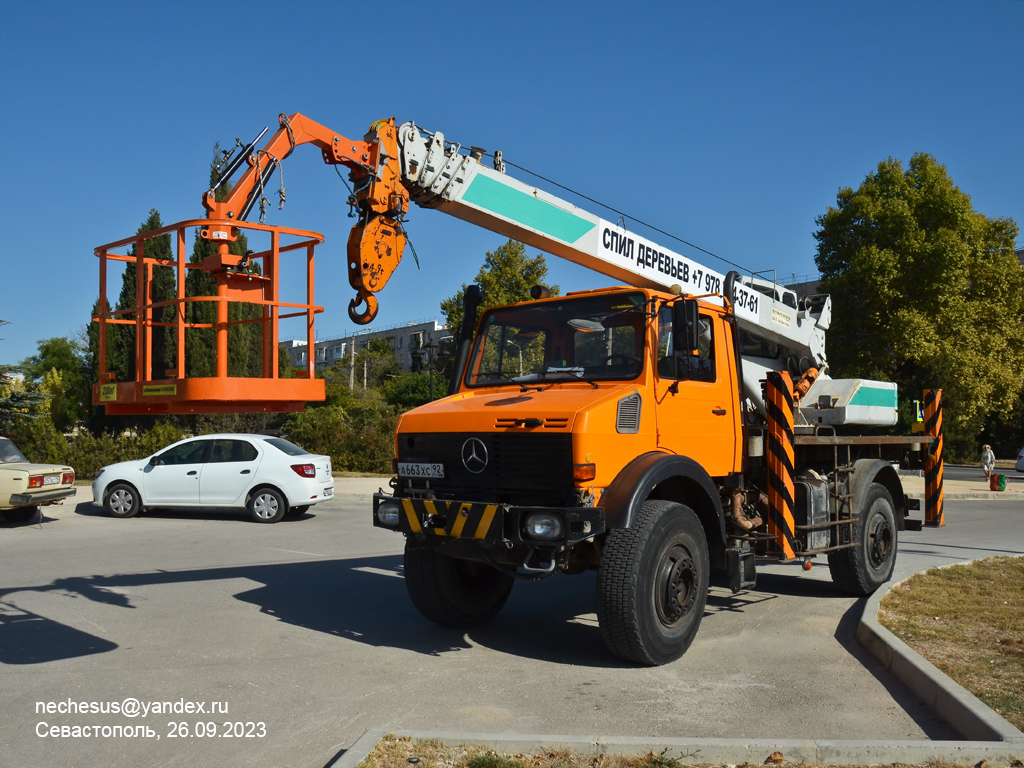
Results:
<point x="405" y="338"/>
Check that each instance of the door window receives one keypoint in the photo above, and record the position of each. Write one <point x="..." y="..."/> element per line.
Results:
<point x="232" y="451"/>
<point x="186" y="453"/>
<point x="698" y="365"/>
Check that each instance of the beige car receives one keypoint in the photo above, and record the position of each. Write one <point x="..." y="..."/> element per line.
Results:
<point x="24" y="487"/>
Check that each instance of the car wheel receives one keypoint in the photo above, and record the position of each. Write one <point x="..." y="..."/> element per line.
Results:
<point x="296" y="511"/>
<point x="266" y="505"/>
<point x="652" y="584"/>
<point x="20" y="515"/>
<point x="122" y="501"/>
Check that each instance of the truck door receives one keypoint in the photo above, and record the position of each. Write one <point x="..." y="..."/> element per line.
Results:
<point x="696" y="402"/>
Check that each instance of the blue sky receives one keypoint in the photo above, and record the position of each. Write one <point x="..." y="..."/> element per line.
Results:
<point x="731" y="125"/>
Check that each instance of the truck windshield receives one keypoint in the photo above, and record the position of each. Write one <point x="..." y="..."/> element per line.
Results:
<point x="590" y="338"/>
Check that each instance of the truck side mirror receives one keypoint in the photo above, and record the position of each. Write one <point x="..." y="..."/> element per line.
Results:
<point x="685" y="327"/>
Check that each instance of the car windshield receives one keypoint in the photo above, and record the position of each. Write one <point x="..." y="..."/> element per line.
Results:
<point x="9" y="453"/>
<point x="285" y="447"/>
<point x="590" y="338"/>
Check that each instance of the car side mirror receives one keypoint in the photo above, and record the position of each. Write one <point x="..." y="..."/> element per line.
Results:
<point x="155" y="461"/>
<point x="685" y="326"/>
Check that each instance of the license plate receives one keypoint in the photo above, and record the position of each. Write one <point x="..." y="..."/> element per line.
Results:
<point x="51" y="480"/>
<point x="411" y="469"/>
<point x="328" y="492"/>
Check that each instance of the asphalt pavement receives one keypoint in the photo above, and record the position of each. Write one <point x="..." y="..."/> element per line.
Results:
<point x="305" y="627"/>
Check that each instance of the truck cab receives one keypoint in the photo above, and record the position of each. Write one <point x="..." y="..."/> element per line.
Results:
<point x="572" y="413"/>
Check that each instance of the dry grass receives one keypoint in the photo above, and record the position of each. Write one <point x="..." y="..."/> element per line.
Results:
<point x="401" y="752"/>
<point x="968" y="620"/>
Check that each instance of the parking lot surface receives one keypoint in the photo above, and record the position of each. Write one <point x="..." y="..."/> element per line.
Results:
<point x="305" y="627"/>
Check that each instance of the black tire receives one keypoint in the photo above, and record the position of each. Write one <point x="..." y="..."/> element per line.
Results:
<point x="20" y="514"/>
<point x="652" y="584"/>
<point x="861" y="570"/>
<point x="266" y="505"/>
<point x="453" y="592"/>
<point x="296" y="511"/>
<point x="122" y="501"/>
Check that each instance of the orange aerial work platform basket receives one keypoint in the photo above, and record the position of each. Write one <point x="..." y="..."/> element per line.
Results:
<point x="237" y="282"/>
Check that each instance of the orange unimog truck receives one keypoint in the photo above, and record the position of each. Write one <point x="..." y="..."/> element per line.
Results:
<point x="667" y="432"/>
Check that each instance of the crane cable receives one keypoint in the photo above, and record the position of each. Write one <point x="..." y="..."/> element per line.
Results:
<point x="623" y="214"/>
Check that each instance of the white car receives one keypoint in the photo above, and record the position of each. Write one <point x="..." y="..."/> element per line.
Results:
<point x="269" y="476"/>
<point x="1020" y="460"/>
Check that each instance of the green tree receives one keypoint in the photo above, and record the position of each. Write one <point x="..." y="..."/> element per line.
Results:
<point x="376" y="364"/>
<point x="927" y="292"/>
<point x="409" y="390"/>
<point x="62" y="364"/>
<point x="506" y="277"/>
<point x="19" y="400"/>
<point x="121" y="338"/>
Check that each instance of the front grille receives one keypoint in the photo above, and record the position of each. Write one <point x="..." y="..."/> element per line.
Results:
<point x="525" y="469"/>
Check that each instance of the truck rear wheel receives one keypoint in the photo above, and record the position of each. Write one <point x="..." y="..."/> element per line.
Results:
<point x="453" y="592"/>
<point x="652" y="584"/>
<point x="861" y="570"/>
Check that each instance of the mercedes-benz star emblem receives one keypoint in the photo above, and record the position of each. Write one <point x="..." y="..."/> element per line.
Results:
<point x="474" y="455"/>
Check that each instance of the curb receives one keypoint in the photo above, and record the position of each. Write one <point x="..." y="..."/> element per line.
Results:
<point x="1006" y="495"/>
<point x="990" y="737"/>
<point x="952" y="702"/>
<point x="728" y="751"/>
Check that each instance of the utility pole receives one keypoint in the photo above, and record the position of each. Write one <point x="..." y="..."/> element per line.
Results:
<point x="352" y="365"/>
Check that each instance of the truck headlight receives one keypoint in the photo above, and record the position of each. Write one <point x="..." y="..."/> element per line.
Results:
<point x="544" y="526"/>
<point x="388" y="513"/>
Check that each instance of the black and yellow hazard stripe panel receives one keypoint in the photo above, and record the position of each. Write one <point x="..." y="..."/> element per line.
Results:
<point x="457" y="519"/>
<point x="484" y="522"/>
<point x="780" y="460"/>
<point x="933" y="465"/>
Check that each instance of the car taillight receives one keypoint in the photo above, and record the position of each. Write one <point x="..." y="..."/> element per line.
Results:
<point x="35" y="481"/>
<point x="304" y="470"/>
<point x="69" y="477"/>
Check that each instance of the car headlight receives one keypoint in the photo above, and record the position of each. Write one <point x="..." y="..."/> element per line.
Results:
<point x="98" y="474"/>
<point x="544" y="526"/>
<point x="388" y="513"/>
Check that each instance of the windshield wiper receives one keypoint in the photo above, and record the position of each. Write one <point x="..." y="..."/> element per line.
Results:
<point x="576" y="373"/>
<point x="505" y="377"/>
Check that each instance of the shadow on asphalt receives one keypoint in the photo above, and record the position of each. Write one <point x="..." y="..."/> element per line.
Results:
<point x="362" y="599"/>
<point x="87" y="509"/>
<point x="846" y="635"/>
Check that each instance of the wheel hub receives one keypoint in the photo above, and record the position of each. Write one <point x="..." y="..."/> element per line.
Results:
<point x="265" y="506"/>
<point x="676" y="594"/>
<point x="120" y="501"/>
<point x="880" y="540"/>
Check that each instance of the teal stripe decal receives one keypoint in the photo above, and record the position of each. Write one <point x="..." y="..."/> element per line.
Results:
<point x="484" y="192"/>
<point x="872" y="396"/>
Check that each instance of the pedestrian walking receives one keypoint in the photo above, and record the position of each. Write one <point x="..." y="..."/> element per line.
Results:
<point x="988" y="460"/>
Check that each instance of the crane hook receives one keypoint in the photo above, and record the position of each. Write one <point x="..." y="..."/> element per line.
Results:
<point x="363" y="318"/>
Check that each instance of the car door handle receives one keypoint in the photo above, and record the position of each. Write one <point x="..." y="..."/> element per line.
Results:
<point x="244" y="472"/>
<point x="719" y="411"/>
<point x="191" y="473"/>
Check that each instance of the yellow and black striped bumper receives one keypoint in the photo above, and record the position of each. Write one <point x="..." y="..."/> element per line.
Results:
<point x="484" y="522"/>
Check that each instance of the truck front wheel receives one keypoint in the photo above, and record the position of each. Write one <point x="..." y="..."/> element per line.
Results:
<point x="453" y="592"/>
<point x="652" y="584"/>
<point x="863" y="569"/>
